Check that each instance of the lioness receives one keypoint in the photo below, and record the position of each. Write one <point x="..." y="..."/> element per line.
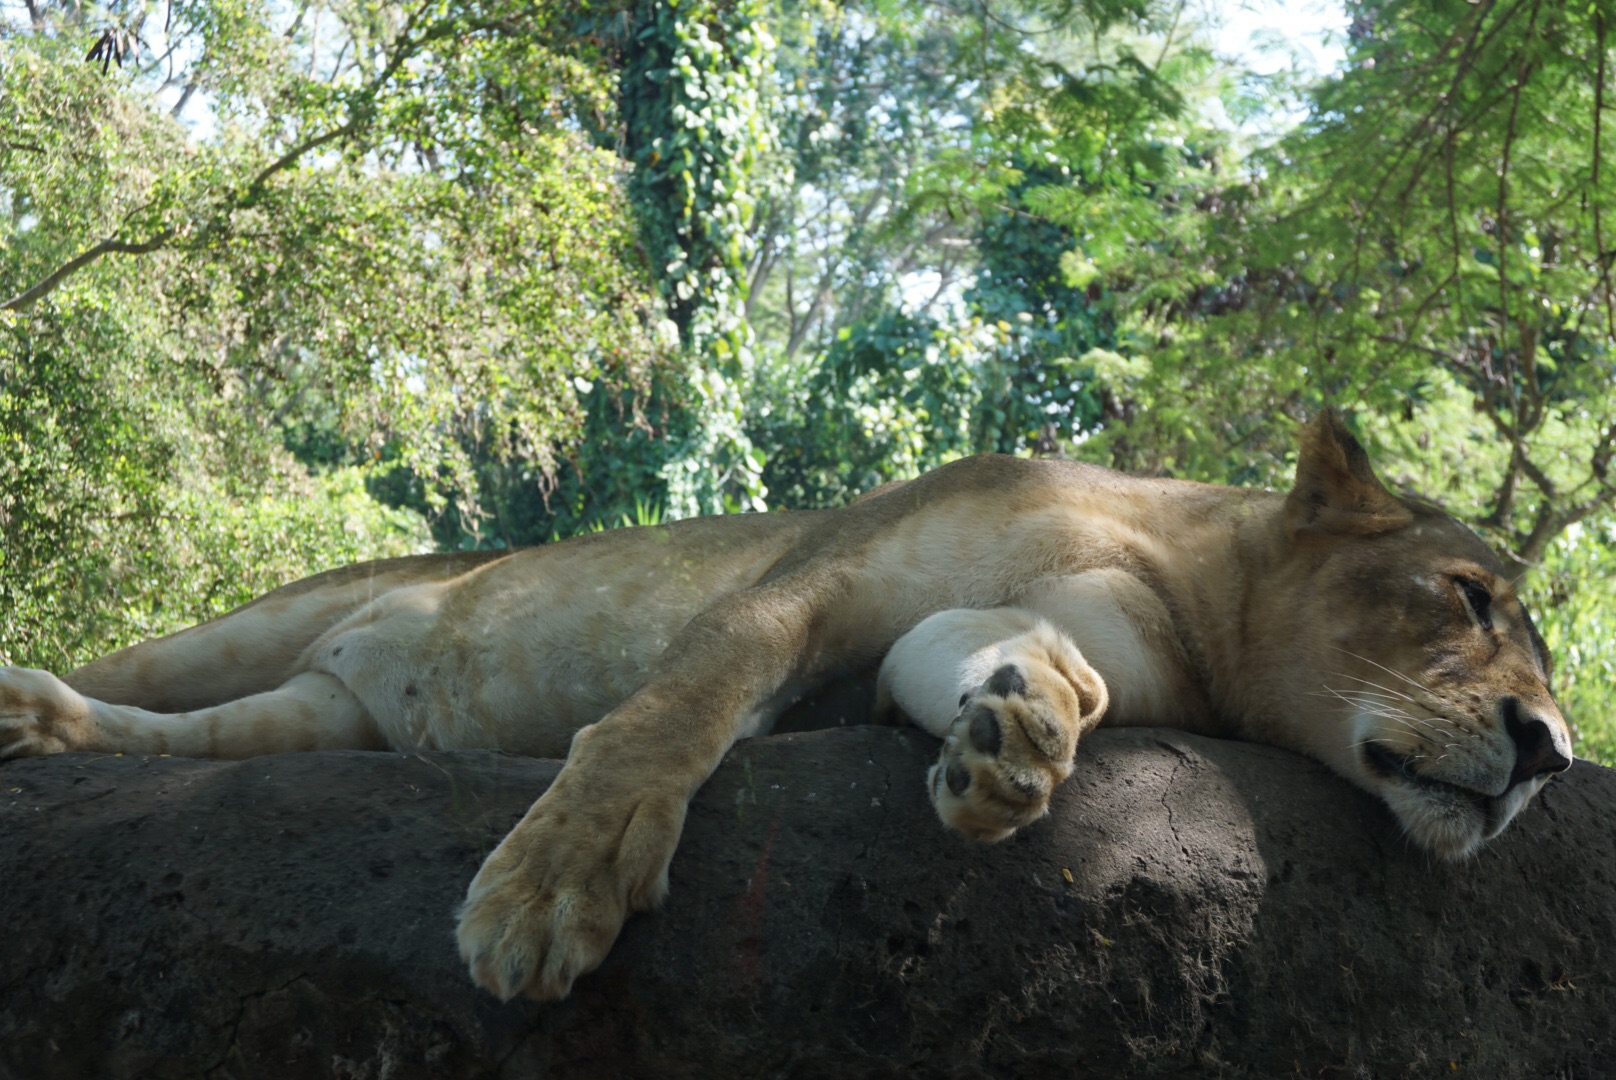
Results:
<point x="1372" y="633"/>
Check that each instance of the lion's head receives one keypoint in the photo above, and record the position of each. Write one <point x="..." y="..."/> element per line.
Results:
<point x="1411" y="664"/>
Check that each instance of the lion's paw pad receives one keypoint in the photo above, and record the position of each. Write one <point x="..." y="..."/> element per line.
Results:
<point x="1011" y="746"/>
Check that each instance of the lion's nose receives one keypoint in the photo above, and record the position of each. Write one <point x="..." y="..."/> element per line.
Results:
<point x="1537" y="744"/>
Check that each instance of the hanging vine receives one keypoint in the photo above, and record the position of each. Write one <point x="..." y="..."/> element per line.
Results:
<point x="695" y="106"/>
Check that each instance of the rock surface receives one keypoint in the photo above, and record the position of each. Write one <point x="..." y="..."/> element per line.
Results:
<point x="1191" y="906"/>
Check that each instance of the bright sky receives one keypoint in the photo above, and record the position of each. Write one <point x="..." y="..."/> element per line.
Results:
<point x="1266" y="34"/>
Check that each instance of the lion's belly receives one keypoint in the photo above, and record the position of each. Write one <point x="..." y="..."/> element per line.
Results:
<point x="520" y="657"/>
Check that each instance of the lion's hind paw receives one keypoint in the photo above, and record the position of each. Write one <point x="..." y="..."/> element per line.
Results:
<point x="39" y="714"/>
<point x="1013" y="744"/>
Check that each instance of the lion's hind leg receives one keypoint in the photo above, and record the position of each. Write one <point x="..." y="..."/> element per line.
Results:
<point x="40" y="714"/>
<point x="1010" y="696"/>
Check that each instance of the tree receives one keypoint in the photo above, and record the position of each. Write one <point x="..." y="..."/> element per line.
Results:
<point x="1428" y="248"/>
<point x="909" y="296"/>
<point x="387" y="242"/>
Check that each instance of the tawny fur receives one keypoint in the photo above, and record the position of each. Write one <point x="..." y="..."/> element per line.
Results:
<point x="1009" y="695"/>
<point x="1329" y="621"/>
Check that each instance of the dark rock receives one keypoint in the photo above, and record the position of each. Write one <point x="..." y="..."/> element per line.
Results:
<point x="1230" y="910"/>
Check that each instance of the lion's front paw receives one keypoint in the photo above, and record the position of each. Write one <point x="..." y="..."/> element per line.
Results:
<point x="1011" y="746"/>
<point x="550" y="899"/>
<point x="39" y="714"/>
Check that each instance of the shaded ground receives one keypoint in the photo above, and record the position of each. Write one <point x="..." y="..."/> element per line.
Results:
<point x="1191" y="906"/>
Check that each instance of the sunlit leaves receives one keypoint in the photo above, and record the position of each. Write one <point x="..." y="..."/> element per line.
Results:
<point x="388" y="243"/>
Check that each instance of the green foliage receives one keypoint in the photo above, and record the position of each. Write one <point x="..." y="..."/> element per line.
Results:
<point x="1436" y="222"/>
<point x="889" y="399"/>
<point x="391" y="247"/>
<point x="693" y="104"/>
<point x="128" y="512"/>
<point x="904" y="217"/>
<point x="1038" y="392"/>
<point x="1574" y="595"/>
<point x="531" y="270"/>
<point x="868" y="100"/>
<point x="419" y="247"/>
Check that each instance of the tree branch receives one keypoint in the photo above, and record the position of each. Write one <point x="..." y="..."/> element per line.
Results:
<point x="1599" y="238"/>
<point x="254" y="192"/>
<point x="1504" y="499"/>
<point x="1550" y="524"/>
<point x="1501" y="227"/>
<point x="80" y="261"/>
<point x="184" y="99"/>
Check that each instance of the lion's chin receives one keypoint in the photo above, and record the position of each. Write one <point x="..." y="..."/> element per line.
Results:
<point x="1450" y="822"/>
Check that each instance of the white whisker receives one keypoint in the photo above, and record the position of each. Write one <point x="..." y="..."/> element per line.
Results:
<point x="1382" y="667"/>
<point x="1377" y="694"/>
<point x="1370" y="704"/>
<point x="1387" y="698"/>
<point x="1382" y="686"/>
<point x="1425" y="731"/>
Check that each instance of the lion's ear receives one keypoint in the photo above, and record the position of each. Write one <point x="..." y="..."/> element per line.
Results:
<point x="1336" y="491"/>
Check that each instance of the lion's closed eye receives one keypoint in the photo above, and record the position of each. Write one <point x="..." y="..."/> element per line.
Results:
<point x="1478" y="600"/>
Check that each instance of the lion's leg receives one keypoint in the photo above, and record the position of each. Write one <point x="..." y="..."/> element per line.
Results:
<point x="1010" y="696"/>
<point x="255" y="648"/>
<point x="40" y="714"/>
<point x="549" y="901"/>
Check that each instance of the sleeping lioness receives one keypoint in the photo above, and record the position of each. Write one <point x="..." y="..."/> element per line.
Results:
<point x="1372" y="633"/>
